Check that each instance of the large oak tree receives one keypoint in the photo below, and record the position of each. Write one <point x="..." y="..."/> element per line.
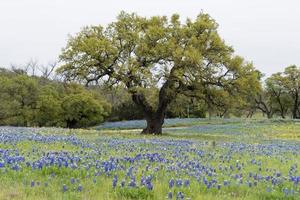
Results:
<point x="144" y="53"/>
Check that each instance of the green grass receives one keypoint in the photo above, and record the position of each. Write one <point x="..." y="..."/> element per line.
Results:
<point x="16" y="184"/>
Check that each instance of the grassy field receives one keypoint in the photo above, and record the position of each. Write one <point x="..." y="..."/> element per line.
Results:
<point x="194" y="159"/>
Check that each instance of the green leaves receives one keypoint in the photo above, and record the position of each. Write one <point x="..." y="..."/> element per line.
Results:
<point x="33" y="101"/>
<point x="283" y="90"/>
<point x="81" y="110"/>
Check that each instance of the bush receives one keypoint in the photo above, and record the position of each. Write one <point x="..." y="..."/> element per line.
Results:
<point x="82" y="110"/>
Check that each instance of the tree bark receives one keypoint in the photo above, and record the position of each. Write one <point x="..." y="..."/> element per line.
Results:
<point x="154" y="125"/>
<point x="261" y="105"/>
<point x="282" y="109"/>
<point x="250" y="114"/>
<point x="295" y="107"/>
<point x="269" y="115"/>
<point x="154" y="118"/>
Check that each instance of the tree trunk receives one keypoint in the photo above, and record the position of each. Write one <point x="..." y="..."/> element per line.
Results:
<point x="250" y="114"/>
<point x="261" y="105"/>
<point x="269" y="115"/>
<point x="154" y="118"/>
<point x="209" y="111"/>
<point x="154" y="125"/>
<point x="295" y="107"/>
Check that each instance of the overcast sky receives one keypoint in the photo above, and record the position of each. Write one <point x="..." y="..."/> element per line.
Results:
<point x="266" y="32"/>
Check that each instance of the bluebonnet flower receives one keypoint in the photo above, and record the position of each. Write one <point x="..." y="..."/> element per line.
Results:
<point x="187" y="183"/>
<point x="226" y="183"/>
<point x="115" y="180"/>
<point x="122" y="183"/>
<point x="66" y="164"/>
<point x="79" y="188"/>
<point x="149" y="186"/>
<point x="171" y="183"/>
<point x="65" y="188"/>
<point x="178" y="182"/>
<point x="72" y="180"/>
<point x="179" y="196"/>
<point x="143" y="181"/>
<point x="132" y="183"/>
<point x="278" y="174"/>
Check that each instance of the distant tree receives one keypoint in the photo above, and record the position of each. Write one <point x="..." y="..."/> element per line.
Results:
<point x="47" y="71"/>
<point x="145" y="53"/>
<point x="278" y="94"/>
<point x="29" y="68"/>
<point x="292" y="84"/>
<point x="281" y="94"/>
<point x="186" y="107"/>
<point x="126" y="110"/>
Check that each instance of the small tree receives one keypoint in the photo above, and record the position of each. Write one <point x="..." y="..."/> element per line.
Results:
<point x="286" y="89"/>
<point x="145" y="53"/>
<point x="82" y="108"/>
<point x="278" y="94"/>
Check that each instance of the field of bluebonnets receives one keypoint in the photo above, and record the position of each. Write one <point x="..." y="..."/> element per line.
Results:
<point x="194" y="159"/>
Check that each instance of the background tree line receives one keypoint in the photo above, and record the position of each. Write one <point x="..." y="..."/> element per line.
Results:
<point x="33" y="95"/>
<point x="28" y="100"/>
<point x="280" y="94"/>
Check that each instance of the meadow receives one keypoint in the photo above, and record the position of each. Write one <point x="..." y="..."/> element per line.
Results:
<point x="193" y="159"/>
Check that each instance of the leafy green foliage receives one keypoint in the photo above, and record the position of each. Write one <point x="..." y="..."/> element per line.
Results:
<point x="48" y="109"/>
<point x="19" y="96"/>
<point x="281" y="94"/>
<point x="82" y="110"/>
<point x="33" y="101"/>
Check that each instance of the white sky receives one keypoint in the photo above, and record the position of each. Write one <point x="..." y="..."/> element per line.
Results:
<point x="266" y="32"/>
